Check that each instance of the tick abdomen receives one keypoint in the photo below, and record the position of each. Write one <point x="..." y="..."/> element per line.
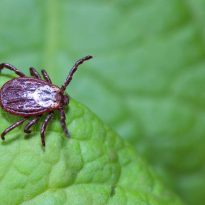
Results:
<point x="29" y="96"/>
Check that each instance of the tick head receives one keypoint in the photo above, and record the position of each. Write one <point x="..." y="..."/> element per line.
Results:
<point x="65" y="100"/>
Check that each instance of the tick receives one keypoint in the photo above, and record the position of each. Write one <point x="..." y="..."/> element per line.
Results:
<point x="32" y="97"/>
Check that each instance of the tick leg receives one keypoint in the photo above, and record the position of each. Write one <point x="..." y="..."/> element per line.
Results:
<point x="34" y="73"/>
<point x="16" y="124"/>
<point x="12" y="68"/>
<point x="73" y="70"/>
<point x="46" y="76"/>
<point x="43" y="128"/>
<point x="30" y="124"/>
<point x="63" y="123"/>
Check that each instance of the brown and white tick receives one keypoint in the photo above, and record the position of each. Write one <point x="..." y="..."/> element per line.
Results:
<point x="33" y="96"/>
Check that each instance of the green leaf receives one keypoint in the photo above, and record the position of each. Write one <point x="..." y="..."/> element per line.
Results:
<point x="147" y="78"/>
<point x="93" y="167"/>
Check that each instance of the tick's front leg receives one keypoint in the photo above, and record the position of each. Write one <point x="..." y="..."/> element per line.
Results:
<point x="16" y="124"/>
<point x="72" y="71"/>
<point x="12" y="68"/>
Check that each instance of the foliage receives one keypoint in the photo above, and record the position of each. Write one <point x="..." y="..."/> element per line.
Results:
<point x="94" y="167"/>
<point x="147" y="78"/>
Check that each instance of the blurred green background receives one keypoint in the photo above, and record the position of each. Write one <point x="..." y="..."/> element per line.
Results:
<point x="147" y="80"/>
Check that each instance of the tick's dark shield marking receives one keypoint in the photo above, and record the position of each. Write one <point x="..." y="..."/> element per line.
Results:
<point x="32" y="97"/>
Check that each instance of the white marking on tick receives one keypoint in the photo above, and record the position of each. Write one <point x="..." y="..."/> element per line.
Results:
<point x="45" y="96"/>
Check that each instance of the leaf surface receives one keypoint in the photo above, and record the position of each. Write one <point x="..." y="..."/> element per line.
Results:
<point x="147" y="77"/>
<point x="94" y="167"/>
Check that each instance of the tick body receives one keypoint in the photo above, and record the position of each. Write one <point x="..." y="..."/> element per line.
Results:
<point x="32" y="97"/>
